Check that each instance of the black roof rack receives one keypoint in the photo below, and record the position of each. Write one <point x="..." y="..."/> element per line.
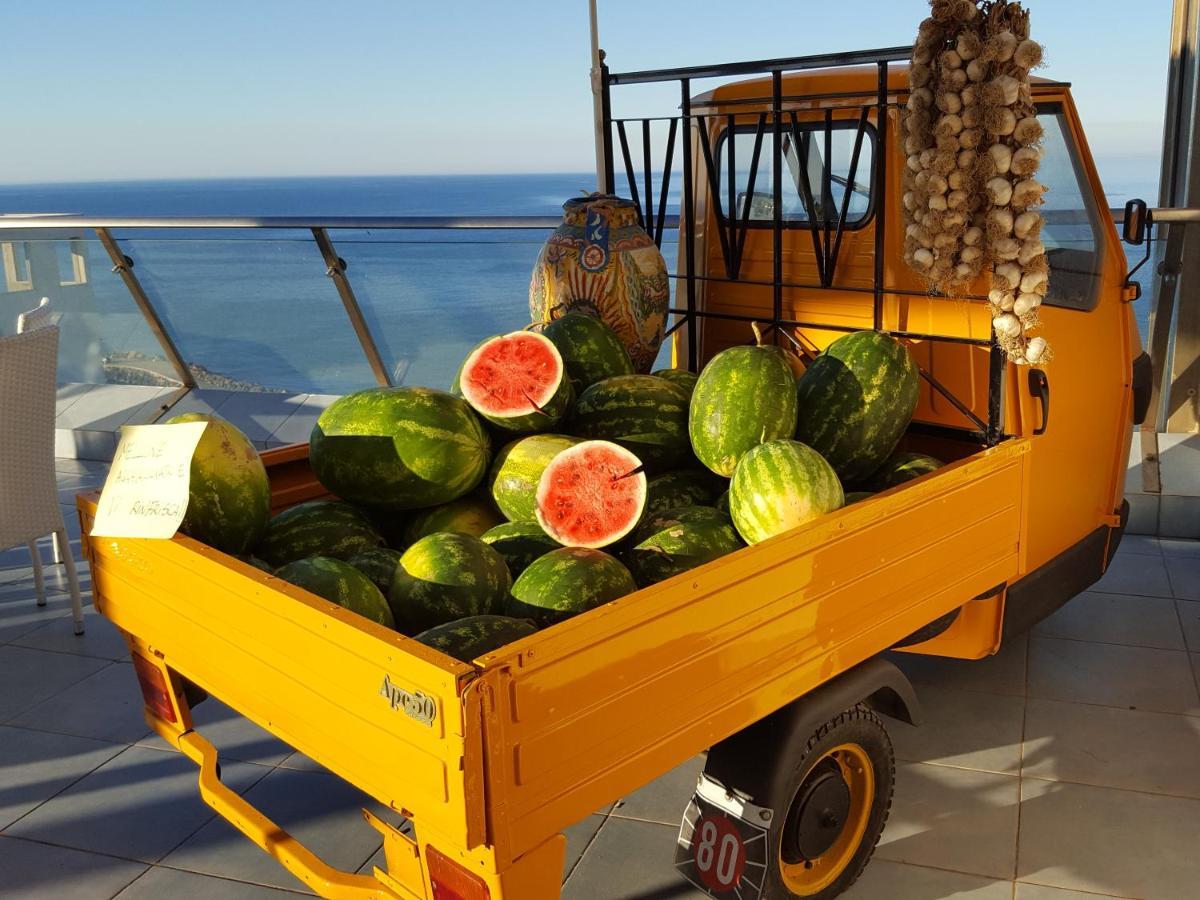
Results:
<point x="766" y="66"/>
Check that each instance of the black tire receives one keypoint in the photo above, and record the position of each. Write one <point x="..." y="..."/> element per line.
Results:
<point x="857" y="727"/>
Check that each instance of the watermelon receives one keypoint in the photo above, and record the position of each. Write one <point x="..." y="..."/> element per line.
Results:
<point x="656" y="522"/>
<point x="690" y="487"/>
<point x="902" y="467"/>
<point x="399" y="448"/>
<point x="229" y="498"/>
<point x="317" y="528"/>
<point x="591" y="495"/>
<point x="722" y="502"/>
<point x="746" y="396"/>
<point x="566" y="582"/>
<point x="857" y="496"/>
<point x="643" y="413"/>
<point x="682" y="378"/>
<point x="447" y="576"/>
<point x="517" y="382"/>
<point x="779" y="486"/>
<point x="472" y="637"/>
<point x="473" y="515"/>
<point x="379" y="564"/>
<point x="679" y="540"/>
<point x="340" y="583"/>
<point x="391" y="523"/>
<point x="252" y="560"/>
<point x="520" y="543"/>
<point x="518" y="467"/>
<point x="855" y="401"/>
<point x="590" y="349"/>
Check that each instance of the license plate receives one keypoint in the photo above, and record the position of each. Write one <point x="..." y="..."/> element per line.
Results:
<point x="722" y="845"/>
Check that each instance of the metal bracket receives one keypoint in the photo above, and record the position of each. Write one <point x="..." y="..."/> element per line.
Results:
<point x="335" y="268"/>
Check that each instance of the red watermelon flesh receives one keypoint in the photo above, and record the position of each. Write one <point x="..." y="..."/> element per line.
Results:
<point x="512" y="375"/>
<point x="591" y="495"/>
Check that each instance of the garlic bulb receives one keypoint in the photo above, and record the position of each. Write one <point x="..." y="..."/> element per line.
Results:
<point x="1028" y="131"/>
<point x="966" y="159"/>
<point x="1026" y="161"/>
<point x="951" y="59"/>
<point x="1026" y="303"/>
<point x="1000" y="121"/>
<point x="954" y="218"/>
<point x="957" y="200"/>
<point x="926" y="158"/>
<point x="1027" y="192"/>
<point x="1030" y="250"/>
<point x="1028" y="54"/>
<point x="1008" y="276"/>
<point x="1027" y="225"/>
<point x="949" y="102"/>
<point x="914" y="163"/>
<point x="957" y="180"/>
<point x="1007" y="324"/>
<point x="964" y="271"/>
<point x="973" y="236"/>
<point x="977" y="70"/>
<point x="1006" y="89"/>
<point x="937" y="201"/>
<point x="999" y="222"/>
<point x="1006" y="248"/>
<point x="937" y="184"/>
<point x="969" y="139"/>
<point x="971" y="117"/>
<point x="949" y="125"/>
<point x="1036" y="350"/>
<point x="968" y="95"/>
<point x="923" y="258"/>
<point x="956" y="78"/>
<point x="971" y="254"/>
<point x="1002" y="157"/>
<point x="1000" y="190"/>
<point x="1002" y="46"/>
<point x="944" y="240"/>
<point x="1034" y="282"/>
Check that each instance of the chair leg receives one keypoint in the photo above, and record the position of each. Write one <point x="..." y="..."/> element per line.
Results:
<point x="39" y="584"/>
<point x="58" y="550"/>
<point x="72" y="581"/>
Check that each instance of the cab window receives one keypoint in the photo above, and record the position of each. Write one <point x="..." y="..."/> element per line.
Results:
<point x="1071" y="228"/>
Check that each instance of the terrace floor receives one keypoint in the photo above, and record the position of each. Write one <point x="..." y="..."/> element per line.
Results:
<point x="1067" y="766"/>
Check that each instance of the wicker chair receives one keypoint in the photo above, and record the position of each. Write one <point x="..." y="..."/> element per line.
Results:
<point x="28" y="491"/>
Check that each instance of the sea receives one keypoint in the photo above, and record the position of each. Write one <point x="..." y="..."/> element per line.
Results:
<point x="256" y="309"/>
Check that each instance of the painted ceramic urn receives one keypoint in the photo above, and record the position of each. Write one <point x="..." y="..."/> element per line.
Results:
<point x="601" y="261"/>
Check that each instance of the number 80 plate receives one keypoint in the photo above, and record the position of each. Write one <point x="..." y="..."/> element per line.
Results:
<point x="721" y="848"/>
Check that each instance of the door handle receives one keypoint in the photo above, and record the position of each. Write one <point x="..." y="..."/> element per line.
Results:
<point x="1039" y="386"/>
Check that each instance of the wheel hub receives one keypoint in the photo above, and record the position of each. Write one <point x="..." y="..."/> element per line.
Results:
<point x="821" y="810"/>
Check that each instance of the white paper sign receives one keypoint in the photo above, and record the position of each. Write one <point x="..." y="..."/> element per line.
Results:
<point x="146" y="492"/>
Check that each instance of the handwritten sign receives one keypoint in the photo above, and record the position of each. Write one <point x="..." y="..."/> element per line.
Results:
<point x="146" y="492"/>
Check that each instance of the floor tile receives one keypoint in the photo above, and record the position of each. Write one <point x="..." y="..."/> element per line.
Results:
<point x="161" y="882"/>
<point x="108" y="407"/>
<point x="305" y="763"/>
<point x="299" y="425"/>
<point x="140" y="805"/>
<point x="100" y="638"/>
<point x="259" y="415"/>
<point x="69" y="394"/>
<point x="579" y="837"/>
<point x="952" y="819"/>
<point x="1003" y="673"/>
<point x="38" y="871"/>
<point x="1189" y="618"/>
<point x="20" y="614"/>
<point x="40" y="675"/>
<point x="1109" y="747"/>
<point x="1108" y="841"/>
<point x="1140" y="545"/>
<point x="1145" y="576"/>
<point x="1173" y="547"/>
<point x="1027" y="891"/>
<point x="321" y="811"/>
<point x="34" y="766"/>
<point x="1116" y="619"/>
<point x="969" y="729"/>
<point x="664" y="799"/>
<point x="1111" y="675"/>
<point x="897" y="881"/>
<point x="1179" y="463"/>
<point x="1184" y="572"/>
<point x="1143" y="514"/>
<point x="106" y="706"/>
<point x="235" y="736"/>
<point x="627" y="860"/>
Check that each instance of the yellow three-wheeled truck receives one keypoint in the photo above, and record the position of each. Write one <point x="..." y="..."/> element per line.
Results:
<point x="769" y="658"/>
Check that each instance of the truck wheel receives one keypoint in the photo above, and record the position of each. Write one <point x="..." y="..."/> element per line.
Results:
<point x="830" y="812"/>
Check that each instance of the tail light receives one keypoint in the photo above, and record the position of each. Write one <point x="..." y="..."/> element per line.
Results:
<point x="154" y="687"/>
<point x="451" y="881"/>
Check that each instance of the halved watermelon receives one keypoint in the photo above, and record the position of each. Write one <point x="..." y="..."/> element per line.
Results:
<point x="591" y="495"/>
<point x="517" y="382"/>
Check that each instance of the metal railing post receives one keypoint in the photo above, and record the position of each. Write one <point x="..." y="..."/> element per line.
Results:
<point x="123" y="266"/>
<point x="335" y="268"/>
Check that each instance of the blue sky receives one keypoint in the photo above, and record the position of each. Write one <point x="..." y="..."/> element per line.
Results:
<point x="143" y="89"/>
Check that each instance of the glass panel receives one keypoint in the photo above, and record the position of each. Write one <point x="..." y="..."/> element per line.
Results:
<point x="103" y="336"/>
<point x="827" y="203"/>
<point x="1070" y="227"/>
<point x="252" y="314"/>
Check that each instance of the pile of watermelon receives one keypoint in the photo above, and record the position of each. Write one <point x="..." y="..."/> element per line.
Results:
<point x="552" y="478"/>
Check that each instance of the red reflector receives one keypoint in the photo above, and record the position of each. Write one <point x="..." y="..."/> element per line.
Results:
<point x="154" y="687"/>
<point x="452" y="882"/>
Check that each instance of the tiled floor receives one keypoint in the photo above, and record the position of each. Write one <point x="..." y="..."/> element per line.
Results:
<point x="1068" y="766"/>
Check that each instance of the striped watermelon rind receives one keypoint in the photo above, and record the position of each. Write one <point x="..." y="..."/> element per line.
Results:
<point x="679" y="543"/>
<point x="469" y="638"/>
<point x="900" y="468"/>
<point x="856" y="400"/>
<point x="590" y="349"/>
<point x="379" y="564"/>
<point x="681" y="378"/>
<point x="229" y="496"/>
<point x="473" y="514"/>
<point x="539" y="413"/>
<point x="516" y="470"/>
<point x="687" y="487"/>
<point x="781" y="485"/>
<point x="643" y="413"/>
<point x="657" y="521"/>
<point x="447" y="576"/>
<point x="745" y="396"/>
<point x="399" y="448"/>
<point x="339" y="582"/>
<point x="329" y="528"/>
<point x="566" y="582"/>
<point x="520" y="543"/>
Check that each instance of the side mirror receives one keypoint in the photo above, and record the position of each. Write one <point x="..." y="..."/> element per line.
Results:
<point x="1137" y="222"/>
